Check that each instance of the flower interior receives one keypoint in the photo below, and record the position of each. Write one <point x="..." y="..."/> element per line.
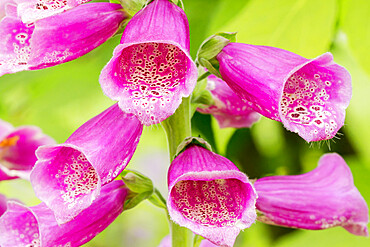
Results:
<point x="23" y="229"/>
<point x="309" y="99"/>
<point x="151" y="73"/>
<point x="214" y="203"/>
<point x="75" y="176"/>
<point x="19" y="49"/>
<point x="50" y="4"/>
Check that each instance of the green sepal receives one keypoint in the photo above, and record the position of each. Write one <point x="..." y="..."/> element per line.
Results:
<point x="140" y="187"/>
<point x="197" y="240"/>
<point x="178" y="3"/>
<point x="200" y="95"/>
<point x="209" y="49"/>
<point x="157" y="199"/>
<point x="192" y="141"/>
<point x="205" y="99"/>
<point x="131" y="6"/>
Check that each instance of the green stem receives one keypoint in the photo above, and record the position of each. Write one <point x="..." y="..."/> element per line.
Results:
<point x="177" y="128"/>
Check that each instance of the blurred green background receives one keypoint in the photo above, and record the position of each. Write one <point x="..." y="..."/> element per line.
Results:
<point x="61" y="98"/>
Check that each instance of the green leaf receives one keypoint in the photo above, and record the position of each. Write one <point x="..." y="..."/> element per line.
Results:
<point x="354" y="21"/>
<point x="302" y="26"/>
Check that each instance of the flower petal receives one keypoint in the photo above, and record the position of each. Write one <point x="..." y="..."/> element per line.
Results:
<point x="229" y="109"/>
<point x="15" y="47"/>
<point x="3" y="6"/>
<point x="151" y="70"/>
<point x="3" y="205"/>
<point x="59" y="39"/>
<point x="68" y="177"/>
<point x="56" y="39"/>
<point x="323" y="198"/>
<point x="17" y="149"/>
<point x="20" y="155"/>
<point x="36" y="226"/>
<point x="210" y="196"/>
<point x="33" y="10"/>
<point x="308" y="96"/>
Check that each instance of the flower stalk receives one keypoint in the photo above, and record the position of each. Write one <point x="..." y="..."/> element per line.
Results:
<point x="177" y="128"/>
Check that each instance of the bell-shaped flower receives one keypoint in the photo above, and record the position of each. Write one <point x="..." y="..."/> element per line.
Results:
<point x="68" y="177"/>
<point x="309" y="96"/>
<point x="228" y="108"/>
<point x="56" y="39"/>
<point x="151" y="69"/>
<point x="320" y="199"/>
<point x="209" y="195"/>
<point x="167" y="242"/>
<point x="17" y="149"/>
<point x="33" y="10"/>
<point x="36" y="226"/>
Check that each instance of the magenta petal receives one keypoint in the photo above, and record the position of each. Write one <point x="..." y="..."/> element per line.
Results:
<point x="308" y="96"/>
<point x="229" y="109"/>
<point x="15" y="47"/>
<point x="68" y="176"/>
<point x="3" y="205"/>
<point x="36" y="226"/>
<point x="59" y="39"/>
<point x="21" y="155"/>
<point x="210" y="196"/>
<point x="17" y="149"/>
<point x="3" y="6"/>
<point x="323" y="198"/>
<point x="33" y="10"/>
<point x="56" y="39"/>
<point x="151" y="70"/>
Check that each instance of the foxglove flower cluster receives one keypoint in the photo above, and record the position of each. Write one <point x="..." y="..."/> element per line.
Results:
<point x="309" y="96"/>
<point x="149" y="74"/>
<point x="69" y="176"/>
<point x="151" y="70"/>
<point x="56" y="39"/>
<point x="323" y="198"/>
<point x="17" y="149"/>
<point x="209" y="195"/>
<point x="36" y="226"/>
<point x="229" y="109"/>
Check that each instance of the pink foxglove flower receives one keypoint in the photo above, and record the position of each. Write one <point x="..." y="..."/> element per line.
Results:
<point x="36" y="226"/>
<point x="323" y="198"/>
<point x="68" y="177"/>
<point x="309" y="96"/>
<point x="57" y="39"/>
<point x="229" y="109"/>
<point x="151" y="69"/>
<point x="33" y="10"/>
<point x="210" y="196"/>
<point x="166" y="242"/>
<point x="17" y="149"/>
